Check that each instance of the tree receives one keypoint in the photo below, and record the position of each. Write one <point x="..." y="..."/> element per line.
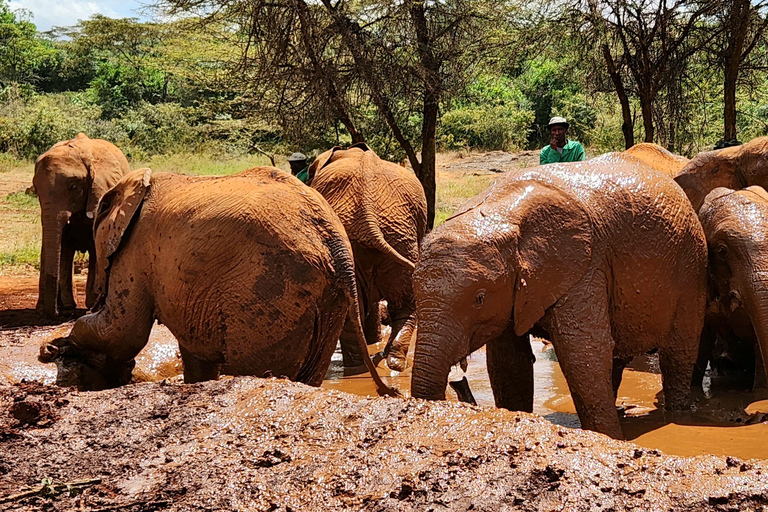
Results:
<point x="22" y="52"/>
<point x="651" y="39"/>
<point x="740" y="29"/>
<point x="338" y="60"/>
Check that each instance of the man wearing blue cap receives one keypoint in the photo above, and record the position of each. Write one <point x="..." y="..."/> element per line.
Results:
<point x="560" y="149"/>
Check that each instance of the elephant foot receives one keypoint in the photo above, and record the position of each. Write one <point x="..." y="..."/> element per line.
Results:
<point x="396" y="362"/>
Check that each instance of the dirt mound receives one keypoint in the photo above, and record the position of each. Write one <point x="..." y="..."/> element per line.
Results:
<point x="257" y="444"/>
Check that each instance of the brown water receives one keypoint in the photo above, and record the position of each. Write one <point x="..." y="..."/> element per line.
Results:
<point x="720" y="425"/>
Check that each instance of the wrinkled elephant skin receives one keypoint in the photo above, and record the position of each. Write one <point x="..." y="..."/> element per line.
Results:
<point x="735" y="167"/>
<point x="220" y="262"/>
<point x="70" y="178"/>
<point x="658" y="158"/>
<point x="384" y="212"/>
<point x="735" y="339"/>
<point x="582" y="252"/>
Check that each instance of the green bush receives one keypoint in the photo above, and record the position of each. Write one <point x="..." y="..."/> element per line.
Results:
<point x="498" y="127"/>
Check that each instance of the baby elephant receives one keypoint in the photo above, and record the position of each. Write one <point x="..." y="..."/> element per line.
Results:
<point x="606" y="258"/>
<point x="252" y="273"/>
<point x="736" y="227"/>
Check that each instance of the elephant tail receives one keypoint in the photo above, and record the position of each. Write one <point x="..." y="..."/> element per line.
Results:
<point x="345" y="271"/>
<point x="373" y="238"/>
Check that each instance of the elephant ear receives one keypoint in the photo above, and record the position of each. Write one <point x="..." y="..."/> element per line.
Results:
<point x="104" y="169"/>
<point x="115" y="213"/>
<point x="551" y="250"/>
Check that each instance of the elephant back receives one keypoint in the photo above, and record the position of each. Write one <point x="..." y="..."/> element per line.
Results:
<point x="376" y="200"/>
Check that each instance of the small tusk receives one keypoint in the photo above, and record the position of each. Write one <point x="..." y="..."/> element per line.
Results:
<point x="89" y="215"/>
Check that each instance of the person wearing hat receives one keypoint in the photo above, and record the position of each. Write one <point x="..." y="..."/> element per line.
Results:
<point x="299" y="167"/>
<point x="560" y="149"/>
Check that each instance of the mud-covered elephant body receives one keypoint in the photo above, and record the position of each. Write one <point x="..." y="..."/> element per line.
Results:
<point x="70" y="178"/>
<point x="735" y="167"/>
<point x="252" y="273"/>
<point x="657" y="157"/>
<point x="584" y="253"/>
<point x="735" y="338"/>
<point x="384" y="211"/>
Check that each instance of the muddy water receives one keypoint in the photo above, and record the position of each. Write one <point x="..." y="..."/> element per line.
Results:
<point x="719" y="426"/>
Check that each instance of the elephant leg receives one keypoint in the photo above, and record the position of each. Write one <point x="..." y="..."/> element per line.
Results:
<point x="196" y="369"/>
<point x="350" y="351"/>
<point x="760" y="380"/>
<point x="372" y="324"/>
<point x="403" y="327"/>
<point x="581" y="335"/>
<point x="122" y="326"/>
<point x="678" y="358"/>
<point x="509" y="359"/>
<point x="66" y="295"/>
<point x="90" y="293"/>
<point x="706" y="345"/>
<point x="617" y="373"/>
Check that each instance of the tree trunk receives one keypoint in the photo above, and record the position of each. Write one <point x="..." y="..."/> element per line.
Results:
<point x="627" y="126"/>
<point x="431" y="77"/>
<point x="646" y="107"/>
<point x="737" y="27"/>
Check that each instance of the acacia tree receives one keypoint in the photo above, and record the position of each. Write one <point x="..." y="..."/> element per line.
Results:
<point x="740" y="29"/>
<point x="312" y="65"/>
<point x="642" y="43"/>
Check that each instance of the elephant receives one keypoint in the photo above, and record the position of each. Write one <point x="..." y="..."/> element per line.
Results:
<point x="384" y="211"/>
<point x="70" y="178"/>
<point x="735" y="337"/>
<point x="584" y="254"/>
<point x="735" y="167"/>
<point x="658" y="158"/>
<point x="252" y="273"/>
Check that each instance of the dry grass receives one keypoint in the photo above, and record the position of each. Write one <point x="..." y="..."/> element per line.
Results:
<point x="20" y="230"/>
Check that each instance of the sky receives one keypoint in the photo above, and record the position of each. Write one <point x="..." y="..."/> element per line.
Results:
<point x="59" y="13"/>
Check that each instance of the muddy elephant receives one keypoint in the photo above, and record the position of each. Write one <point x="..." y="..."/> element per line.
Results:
<point x="70" y="178"/>
<point x="735" y="167"/>
<point x="252" y="273"/>
<point x="658" y="158"/>
<point x="584" y="254"/>
<point x="735" y="337"/>
<point x="384" y="211"/>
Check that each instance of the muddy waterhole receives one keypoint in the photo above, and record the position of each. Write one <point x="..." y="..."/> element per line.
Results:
<point x="722" y="423"/>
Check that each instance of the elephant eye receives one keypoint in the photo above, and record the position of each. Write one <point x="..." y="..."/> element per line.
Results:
<point x="73" y="185"/>
<point x="480" y="298"/>
<point x="721" y="252"/>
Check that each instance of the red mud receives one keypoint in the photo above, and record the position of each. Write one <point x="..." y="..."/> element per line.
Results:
<point x="257" y="444"/>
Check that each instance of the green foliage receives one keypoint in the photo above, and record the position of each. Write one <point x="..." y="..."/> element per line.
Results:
<point x="22" y="52"/>
<point x="498" y="127"/>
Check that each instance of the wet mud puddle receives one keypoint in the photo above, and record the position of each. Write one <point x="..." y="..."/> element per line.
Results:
<point x="720" y="425"/>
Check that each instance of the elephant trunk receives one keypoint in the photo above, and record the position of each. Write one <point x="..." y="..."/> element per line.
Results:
<point x="436" y="351"/>
<point x="345" y="272"/>
<point x="50" y="259"/>
<point x="757" y="307"/>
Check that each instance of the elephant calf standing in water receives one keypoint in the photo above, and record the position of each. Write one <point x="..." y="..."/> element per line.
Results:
<point x="606" y="258"/>
<point x="252" y="273"/>
<point x="384" y="211"/>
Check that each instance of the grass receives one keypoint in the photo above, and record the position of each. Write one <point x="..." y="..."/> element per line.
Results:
<point x="20" y="230"/>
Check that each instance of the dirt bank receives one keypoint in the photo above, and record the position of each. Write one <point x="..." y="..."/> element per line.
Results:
<point x="257" y="444"/>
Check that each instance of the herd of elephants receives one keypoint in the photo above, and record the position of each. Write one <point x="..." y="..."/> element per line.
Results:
<point x="256" y="273"/>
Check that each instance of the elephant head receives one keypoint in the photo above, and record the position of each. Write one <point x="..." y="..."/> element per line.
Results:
<point x="491" y="268"/>
<point x="735" y="168"/>
<point x="333" y="154"/>
<point x="736" y="227"/>
<point x="70" y="178"/>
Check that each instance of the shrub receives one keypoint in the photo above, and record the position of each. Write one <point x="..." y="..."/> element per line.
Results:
<point x="497" y="127"/>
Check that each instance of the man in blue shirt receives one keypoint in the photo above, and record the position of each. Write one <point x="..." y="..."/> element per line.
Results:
<point x="560" y="149"/>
